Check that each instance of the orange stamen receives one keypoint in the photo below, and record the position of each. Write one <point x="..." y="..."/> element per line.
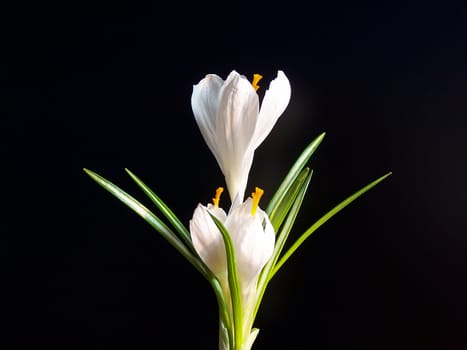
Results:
<point x="215" y="200"/>
<point x="256" y="196"/>
<point x="256" y="79"/>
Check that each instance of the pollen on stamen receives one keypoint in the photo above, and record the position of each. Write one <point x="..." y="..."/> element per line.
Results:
<point x="215" y="200"/>
<point x="256" y="196"/>
<point x="256" y="79"/>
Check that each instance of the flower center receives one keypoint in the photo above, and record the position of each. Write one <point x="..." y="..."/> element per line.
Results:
<point x="216" y="198"/>
<point x="256" y="79"/>
<point x="256" y="196"/>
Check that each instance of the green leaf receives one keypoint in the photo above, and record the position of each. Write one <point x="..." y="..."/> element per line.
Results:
<point x="269" y="271"/>
<point x="292" y="174"/>
<point x="324" y="219"/>
<point x="285" y="203"/>
<point x="234" y="285"/>
<point x="289" y="222"/>
<point x="152" y="220"/>
<point x="165" y="210"/>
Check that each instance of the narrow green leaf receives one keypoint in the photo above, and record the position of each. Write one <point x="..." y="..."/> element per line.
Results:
<point x="152" y="220"/>
<point x="269" y="271"/>
<point x="293" y="173"/>
<point x="234" y="284"/>
<point x="289" y="222"/>
<point x="285" y="203"/>
<point x="165" y="210"/>
<point x="222" y="306"/>
<point x="325" y="218"/>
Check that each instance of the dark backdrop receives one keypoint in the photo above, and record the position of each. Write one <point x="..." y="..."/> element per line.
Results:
<point x="108" y="86"/>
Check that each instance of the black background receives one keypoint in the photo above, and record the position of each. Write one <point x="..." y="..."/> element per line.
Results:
<point x="108" y="86"/>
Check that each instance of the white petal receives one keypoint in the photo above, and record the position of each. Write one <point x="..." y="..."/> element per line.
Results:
<point x="208" y="241"/>
<point x="253" y="244"/>
<point x="237" y="113"/>
<point x="236" y="123"/>
<point x="237" y="179"/>
<point x="275" y="101"/>
<point x="205" y="103"/>
<point x="218" y="212"/>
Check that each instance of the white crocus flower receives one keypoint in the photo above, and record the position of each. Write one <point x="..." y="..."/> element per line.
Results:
<point x="252" y="236"/>
<point x="253" y="240"/>
<point x="207" y="239"/>
<point x="233" y="124"/>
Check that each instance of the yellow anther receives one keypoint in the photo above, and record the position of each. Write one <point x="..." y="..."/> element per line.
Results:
<point x="256" y="79"/>
<point x="215" y="200"/>
<point x="256" y="196"/>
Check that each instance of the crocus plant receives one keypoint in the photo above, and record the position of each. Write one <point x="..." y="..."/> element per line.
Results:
<point x="238" y="250"/>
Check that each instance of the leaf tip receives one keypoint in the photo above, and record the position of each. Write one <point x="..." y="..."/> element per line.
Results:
<point x="387" y="174"/>
<point x="133" y="176"/>
<point x="319" y="138"/>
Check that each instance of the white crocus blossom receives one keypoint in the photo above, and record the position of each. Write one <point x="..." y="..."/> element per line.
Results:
<point x="233" y="123"/>
<point x="252" y="237"/>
